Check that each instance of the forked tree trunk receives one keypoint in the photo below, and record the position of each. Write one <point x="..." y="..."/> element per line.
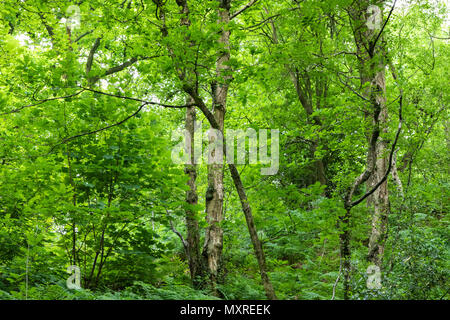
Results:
<point x="214" y="196"/>
<point x="257" y="246"/>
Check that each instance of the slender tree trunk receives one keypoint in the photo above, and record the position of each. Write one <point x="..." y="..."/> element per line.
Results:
<point x="344" y="238"/>
<point x="193" y="237"/>
<point x="371" y="68"/>
<point x="372" y="63"/>
<point x="381" y="195"/>
<point x="212" y="249"/>
<point x="257" y="246"/>
<point x="74" y="202"/>
<point x="306" y="101"/>
<point x="304" y="97"/>
<point x="192" y="243"/>
<point x="319" y="165"/>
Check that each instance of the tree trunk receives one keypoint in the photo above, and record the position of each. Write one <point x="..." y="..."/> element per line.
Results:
<point x="381" y="208"/>
<point x="344" y="238"/>
<point x="243" y="198"/>
<point x="212" y="249"/>
<point x="257" y="246"/>
<point x="193" y="237"/>
<point x="372" y="63"/>
<point x="214" y="195"/>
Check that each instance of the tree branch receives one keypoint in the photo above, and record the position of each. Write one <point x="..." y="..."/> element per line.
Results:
<point x="248" y="5"/>
<point x="353" y="90"/>
<point x="91" y="55"/>
<point x="83" y="35"/>
<point x="139" y="100"/>
<point x="200" y="104"/>
<point x="41" y="102"/>
<point x="120" y="67"/>
<point x="98" y="130"/>
<point x="183" y="241"/>
<point x="372" y="46"/>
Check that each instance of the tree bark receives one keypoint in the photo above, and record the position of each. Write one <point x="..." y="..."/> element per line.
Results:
<point x="212" y="249"/>
<point x="242" y="196"/>
<point x="193" y="236"/>
<point x="372" y="63"/>
<point x="396" y="177"/>
<point x="344" y="238"/>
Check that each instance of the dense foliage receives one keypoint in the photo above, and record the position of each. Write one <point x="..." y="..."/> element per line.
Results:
<point x="91" y="93"/>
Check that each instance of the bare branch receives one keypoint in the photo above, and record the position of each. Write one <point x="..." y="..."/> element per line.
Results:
<point x="120" y="67"/>
<point x="83" y="35"/>
<point x="440" y="38"/>
<point x="248" y="5"/>
<point x="368" y="172"/>
<point x="41" y="102"/>
<point x="139" y="100"/>
<point x="354" y="203"/>
<point x="353" y="90"/>
<point x="184" y="242"/>
<point x="98" y="130"/>
<point x="372" y="45"/>
<point x="199" y="103"/>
